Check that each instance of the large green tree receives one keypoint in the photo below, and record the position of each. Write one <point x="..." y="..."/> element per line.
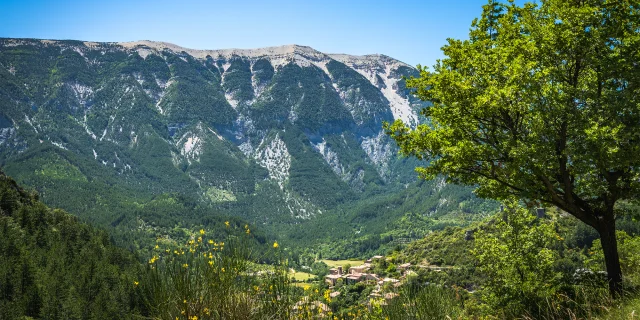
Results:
<point x="543" y="103"/>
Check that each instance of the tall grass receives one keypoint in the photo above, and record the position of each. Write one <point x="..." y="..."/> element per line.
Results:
<point x="423" y="302"/>
<point x="585" y="301"/>
<point x="207" y="279"/>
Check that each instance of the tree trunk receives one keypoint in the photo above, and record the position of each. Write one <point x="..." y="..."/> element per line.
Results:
<point x="607" y="231"/>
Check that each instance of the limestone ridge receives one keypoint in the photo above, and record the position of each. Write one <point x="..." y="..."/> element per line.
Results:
<point x="382" y="71"/>
<point x="288" y="122"/>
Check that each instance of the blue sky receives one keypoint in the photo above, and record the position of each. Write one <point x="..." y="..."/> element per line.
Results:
<point x="409" y="30"/>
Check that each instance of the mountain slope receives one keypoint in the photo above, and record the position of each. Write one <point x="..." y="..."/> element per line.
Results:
<point x="276" y="135"/>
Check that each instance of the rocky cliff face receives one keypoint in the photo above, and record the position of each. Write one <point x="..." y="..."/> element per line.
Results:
<point x="289" y="124"/>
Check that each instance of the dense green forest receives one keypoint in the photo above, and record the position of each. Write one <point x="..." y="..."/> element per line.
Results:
<point x="55" y="267"/>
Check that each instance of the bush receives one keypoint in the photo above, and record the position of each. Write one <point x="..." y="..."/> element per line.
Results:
<point x="517" y="258"/>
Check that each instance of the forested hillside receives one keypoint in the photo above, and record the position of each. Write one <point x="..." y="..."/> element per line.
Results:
<point x="54" y="266"/>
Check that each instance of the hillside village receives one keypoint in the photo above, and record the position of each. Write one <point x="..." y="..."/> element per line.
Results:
<point x="383" y="291"/>
<point x="363" y="273"/>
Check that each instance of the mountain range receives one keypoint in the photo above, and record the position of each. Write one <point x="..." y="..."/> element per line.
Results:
<point x="148" y="135"/>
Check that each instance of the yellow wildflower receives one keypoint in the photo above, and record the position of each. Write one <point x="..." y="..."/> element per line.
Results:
<point x="153" y="259"/>
<point x="185" y="265"/>
<point x="202" y="231"/>
<point x="211" y="241"/>
<point x="199" y="239"/>
<point x="211" y="262"/>
<point x="226" y="223"/>
<point x="222" y="269"/>
<point x="248" y="231"/>
<point x="136" y="283"/>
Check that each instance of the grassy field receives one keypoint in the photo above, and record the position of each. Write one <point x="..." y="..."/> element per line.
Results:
<point x="335" y="263"/>
<point x="302" y="276"/>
